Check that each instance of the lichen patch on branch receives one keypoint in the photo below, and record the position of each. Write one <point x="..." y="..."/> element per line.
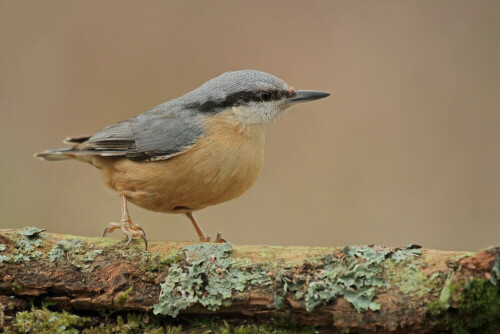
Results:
<point x="208" y="276"/>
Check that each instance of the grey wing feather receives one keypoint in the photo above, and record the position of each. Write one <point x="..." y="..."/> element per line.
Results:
<point x="154" y="135"/>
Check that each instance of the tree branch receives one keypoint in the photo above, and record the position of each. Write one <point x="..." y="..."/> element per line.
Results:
<point x="358" y="288"/>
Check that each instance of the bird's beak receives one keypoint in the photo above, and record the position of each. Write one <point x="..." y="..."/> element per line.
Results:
<point x="306" y="96"/>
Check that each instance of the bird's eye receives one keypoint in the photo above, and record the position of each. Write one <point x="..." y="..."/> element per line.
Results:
<point x="266" y="96"/>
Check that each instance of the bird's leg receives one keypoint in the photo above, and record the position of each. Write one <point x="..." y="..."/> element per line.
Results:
<point x="203" y="237"/>
<point x="132" y="231"/>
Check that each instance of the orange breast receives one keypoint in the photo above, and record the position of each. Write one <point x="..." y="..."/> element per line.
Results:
<point x="221" y="166"/>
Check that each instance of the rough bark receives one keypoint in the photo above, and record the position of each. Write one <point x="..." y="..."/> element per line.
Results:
<point x="361" y="289"/>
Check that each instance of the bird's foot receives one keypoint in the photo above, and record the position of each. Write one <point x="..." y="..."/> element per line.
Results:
<point x="132" y="231"/>
<point x="205" y="238"/>
<point x="219" y="238"/>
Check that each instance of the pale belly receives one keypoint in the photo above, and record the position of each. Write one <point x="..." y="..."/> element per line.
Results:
<point x="211" y="172"/>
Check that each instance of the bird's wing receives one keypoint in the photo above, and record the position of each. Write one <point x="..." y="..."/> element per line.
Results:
<point x="155" y="135"/>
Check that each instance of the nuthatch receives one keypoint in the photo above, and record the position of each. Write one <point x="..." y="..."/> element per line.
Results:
<point x="203" y="148"/>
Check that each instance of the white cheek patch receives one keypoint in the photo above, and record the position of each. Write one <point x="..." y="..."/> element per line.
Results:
<point x="260" y="112"/>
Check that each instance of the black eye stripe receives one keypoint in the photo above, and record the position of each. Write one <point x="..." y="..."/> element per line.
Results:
<point x="237" y="99"/>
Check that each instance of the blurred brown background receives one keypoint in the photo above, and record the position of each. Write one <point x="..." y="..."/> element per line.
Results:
<point x="405" y="150"/>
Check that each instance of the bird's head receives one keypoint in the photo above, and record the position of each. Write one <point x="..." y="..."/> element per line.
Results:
<point x="253" y="97"/>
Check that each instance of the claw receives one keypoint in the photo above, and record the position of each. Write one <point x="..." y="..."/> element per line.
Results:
<point x="143" y="236"/>
<point x="134" y="232"/>
<point x="129" y="240"/>
<point x="110" y="228"/>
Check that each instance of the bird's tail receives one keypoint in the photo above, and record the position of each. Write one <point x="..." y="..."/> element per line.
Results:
<point x="56" y="154"/>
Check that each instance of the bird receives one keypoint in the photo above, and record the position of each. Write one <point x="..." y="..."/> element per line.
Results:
<point x="200" y="149"/>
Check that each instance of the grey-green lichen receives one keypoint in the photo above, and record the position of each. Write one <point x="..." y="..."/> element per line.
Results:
<point x="370" y="254"/>
<point x="63" y="247"/>
<point x="408" y="252"/>
<point x="25" y="249"/>
<point x="403" y="271"/>
<point x="348" y="277"/>
<point x="208" y="276"/>
<point x="3" y="258"/>
<point x="73" y="251"/>
<point x="31" y="231"/>
<point x="379" y="254"/>
<point x="355" y="277"/>
<point x="68" y="245"/>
